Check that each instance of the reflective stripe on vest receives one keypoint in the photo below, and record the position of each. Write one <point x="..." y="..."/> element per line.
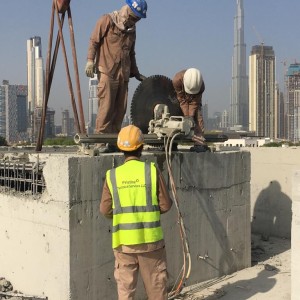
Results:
<point x="136" y="215"/>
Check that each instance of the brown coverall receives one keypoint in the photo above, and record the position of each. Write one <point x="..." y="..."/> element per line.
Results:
<point x="113" y="47"/>
<point x="190" y="106"/>
<point x="149" y="258"/>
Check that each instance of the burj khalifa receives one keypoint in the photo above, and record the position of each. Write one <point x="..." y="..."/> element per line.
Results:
<point x="239" y="105"/>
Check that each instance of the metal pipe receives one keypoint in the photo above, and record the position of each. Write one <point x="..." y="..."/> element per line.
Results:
<point x="46" y="95"/>
<point x="149" y="138"/>
<point x="54" y="58"/>
<point x="75" y="64"/>
<point x="67" y="70"/>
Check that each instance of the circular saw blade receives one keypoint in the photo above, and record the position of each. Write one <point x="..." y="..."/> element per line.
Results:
<point x="156" y="89"/>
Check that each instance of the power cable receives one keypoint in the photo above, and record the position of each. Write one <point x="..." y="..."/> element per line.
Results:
<point x="186" y="267"/>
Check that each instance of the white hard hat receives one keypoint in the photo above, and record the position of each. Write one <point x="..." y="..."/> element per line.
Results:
<point x="192" y="81"/>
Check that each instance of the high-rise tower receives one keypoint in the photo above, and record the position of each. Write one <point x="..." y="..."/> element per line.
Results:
<point x="263" y="103"/>
<point x="35" y="80"/>
<point x="35" y="73"/>
<point x="239" y="88"/>
<point x="13" y="112"/>
<point x="93" y="104"/>
<point x="293" y="101"/>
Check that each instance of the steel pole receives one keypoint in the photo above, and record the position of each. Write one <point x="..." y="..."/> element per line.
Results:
<point x="72" y="37"/>
<point x="149" y="138"/>
<point x="46" y="94"/>
<point x="67" y="70"/>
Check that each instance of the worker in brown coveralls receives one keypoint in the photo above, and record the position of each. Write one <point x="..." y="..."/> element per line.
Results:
<point x="189" y="87"/>
<point x="134" y="196"/>
<point x="111" y="54"/>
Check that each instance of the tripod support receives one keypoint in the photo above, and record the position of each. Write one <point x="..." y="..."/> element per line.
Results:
<point x="60" y="7"/>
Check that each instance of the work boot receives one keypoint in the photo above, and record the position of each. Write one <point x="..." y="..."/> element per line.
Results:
<point x="200" y="148"/>
<point x="113" y="148"/>
<point x="105" y="148"/>
<point x="100" y="148"/>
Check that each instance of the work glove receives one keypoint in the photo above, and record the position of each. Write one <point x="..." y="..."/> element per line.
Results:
<point x="200" y="140"/>
<point x="140" y="77"/>
<point x="90" y="69"/>
<point x="173" y="98"/>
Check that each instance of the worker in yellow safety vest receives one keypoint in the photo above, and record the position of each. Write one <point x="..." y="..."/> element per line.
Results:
<point x="134" y="196"/>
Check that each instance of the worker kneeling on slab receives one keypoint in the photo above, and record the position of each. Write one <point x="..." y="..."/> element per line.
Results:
<point x="189" y="87"/>
<point x="134" y="196"/>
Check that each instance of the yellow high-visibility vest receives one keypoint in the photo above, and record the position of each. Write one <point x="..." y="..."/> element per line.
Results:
<point x="136" y="214"/>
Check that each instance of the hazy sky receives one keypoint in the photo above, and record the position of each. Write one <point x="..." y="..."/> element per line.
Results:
<point x="175" y="35"/>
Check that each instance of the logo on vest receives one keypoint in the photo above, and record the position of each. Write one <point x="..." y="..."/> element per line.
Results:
<point x="131" y="184"/>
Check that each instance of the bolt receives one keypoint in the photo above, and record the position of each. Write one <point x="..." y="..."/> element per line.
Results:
<point x="205" y="257"/>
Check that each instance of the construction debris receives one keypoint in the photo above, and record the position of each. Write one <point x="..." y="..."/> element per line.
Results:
<point x="7" y="292"/>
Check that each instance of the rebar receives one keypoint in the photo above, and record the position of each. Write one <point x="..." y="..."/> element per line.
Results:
<point x="22" y="177"/>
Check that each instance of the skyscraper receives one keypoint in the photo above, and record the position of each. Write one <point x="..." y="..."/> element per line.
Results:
<point x="35" y="80"/>
<point x="225" y="120"/>
<point x="67" y="124"/>
<point x="280" y="112"/>
<point x="239" y="89"/>
<point x="293" y="102"/>
<point x="13" y="112"/>
<point x="93" y="104"/>
<point x="263" y="104"/>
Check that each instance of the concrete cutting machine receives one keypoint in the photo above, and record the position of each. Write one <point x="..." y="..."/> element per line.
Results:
<point x="156" y="111"/>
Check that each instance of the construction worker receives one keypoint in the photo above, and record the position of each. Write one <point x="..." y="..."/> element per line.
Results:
<point x="189" y="87"/>
<point x="134" y="196"/>
<point x="111" y="54"/>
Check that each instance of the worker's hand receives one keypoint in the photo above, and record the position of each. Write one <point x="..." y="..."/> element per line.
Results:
<point x="199" y="139"/>
<point x="173" y="98"/>
<point x="89" y="69"/>
<point x="140" y="77"/>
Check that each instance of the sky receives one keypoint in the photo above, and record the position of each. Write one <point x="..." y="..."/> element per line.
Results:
<point x="175" y="35"/>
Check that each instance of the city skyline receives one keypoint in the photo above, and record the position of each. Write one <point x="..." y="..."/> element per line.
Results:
<point x="166" y="42"/>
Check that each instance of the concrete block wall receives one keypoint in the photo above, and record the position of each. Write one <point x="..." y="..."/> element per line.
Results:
<point x="272" y="172"/>
<point x="59" y="246"/>
<point x="35" y="233"/>
<point x="295" y="259"/>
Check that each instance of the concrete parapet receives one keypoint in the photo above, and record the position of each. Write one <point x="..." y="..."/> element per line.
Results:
<point x="57" y="245"/>
<point x="272" y="172"/>
<point x="295" y="259"/>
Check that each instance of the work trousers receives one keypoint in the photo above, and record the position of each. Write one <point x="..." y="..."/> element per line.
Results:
<point x="112" y="104"/>
<point x="192" y="109"/>
<point x="153" y="269"/>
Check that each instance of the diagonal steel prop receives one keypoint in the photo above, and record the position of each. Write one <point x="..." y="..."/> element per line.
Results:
<point x="50" y="67"/>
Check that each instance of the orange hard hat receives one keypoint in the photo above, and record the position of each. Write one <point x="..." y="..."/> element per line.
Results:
<point x="130" y="138"/>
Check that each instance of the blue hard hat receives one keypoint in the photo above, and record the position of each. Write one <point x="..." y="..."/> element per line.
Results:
<point x="139" y="7"/>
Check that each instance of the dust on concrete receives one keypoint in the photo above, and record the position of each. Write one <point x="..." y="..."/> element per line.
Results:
<point x="269" y="277"/>
<point x="7" y="292"/>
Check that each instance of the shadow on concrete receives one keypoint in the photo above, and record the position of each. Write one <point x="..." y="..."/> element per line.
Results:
<point x="272" y="214"/>
<point x="248" y="288"/>
<point x="263" y="250"/>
